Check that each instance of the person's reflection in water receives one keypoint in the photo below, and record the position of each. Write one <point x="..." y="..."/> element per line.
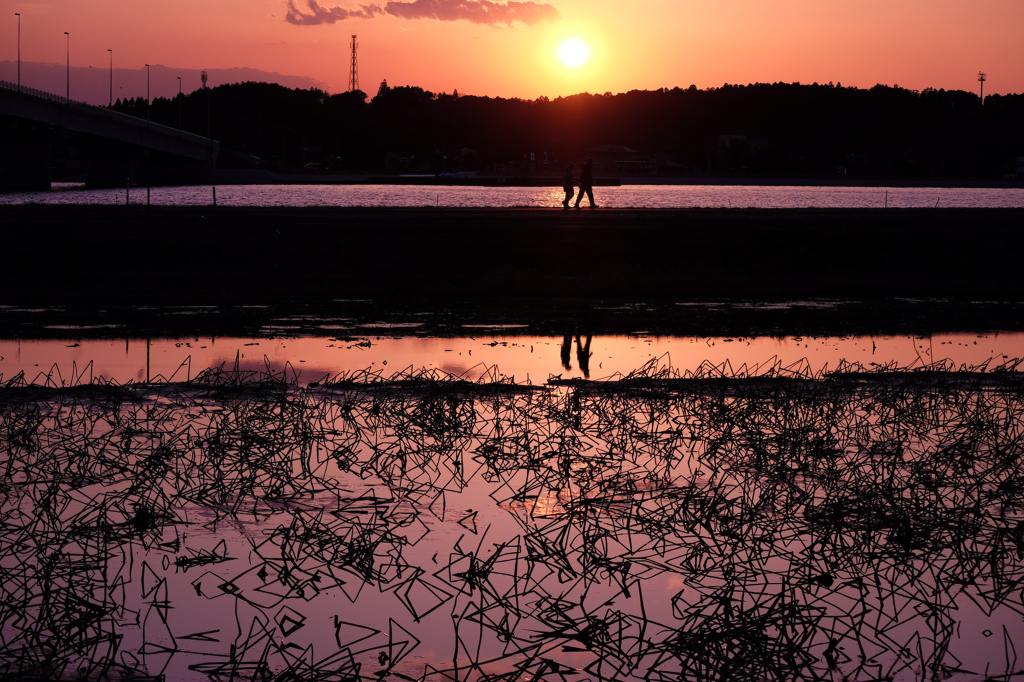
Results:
<point x="566" y="347"/>
<point x="583" y="355"/>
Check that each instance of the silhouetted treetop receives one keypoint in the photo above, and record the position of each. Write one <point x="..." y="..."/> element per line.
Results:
<point x="759" y="128"/>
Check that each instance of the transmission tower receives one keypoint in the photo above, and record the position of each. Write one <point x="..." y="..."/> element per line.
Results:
<point x="981" y="79"/>
<point x="353" y="76"/>
<point x="203" y="76"/>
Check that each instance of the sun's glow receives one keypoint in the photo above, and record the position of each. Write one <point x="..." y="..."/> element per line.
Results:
<point x="573" y="52"/>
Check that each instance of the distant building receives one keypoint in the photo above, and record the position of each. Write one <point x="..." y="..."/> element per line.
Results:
<point x="616" y="160"/>
<point x="1015" y="170"/>
<point x="731" y="152"/>
<point x="467" y="159"/>
<point x="619" y="160"/>
<point x="671" y="168"/>
<point x="613" y="152"/>
<point x="726" y="141"/>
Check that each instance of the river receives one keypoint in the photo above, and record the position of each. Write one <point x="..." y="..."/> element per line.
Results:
<point x="626" y="196"/>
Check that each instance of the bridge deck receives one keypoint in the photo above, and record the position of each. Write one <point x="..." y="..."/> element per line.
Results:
<point x="54" y="110"/>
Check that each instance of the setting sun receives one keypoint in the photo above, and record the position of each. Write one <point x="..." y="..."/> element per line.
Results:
<point x="573" y="52"/>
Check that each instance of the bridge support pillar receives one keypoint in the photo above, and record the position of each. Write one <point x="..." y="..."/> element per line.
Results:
<point x="25" y="163"/>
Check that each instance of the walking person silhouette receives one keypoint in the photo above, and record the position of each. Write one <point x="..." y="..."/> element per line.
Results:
<point x="586" y="184"/>
<point x="567" y="184"/>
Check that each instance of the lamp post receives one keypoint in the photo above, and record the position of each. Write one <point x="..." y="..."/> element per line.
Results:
<point x="18" y="14"/>
<point x="111" y="77"/>
<point x="147" y="92"/>
<point x="179" y="103"/>
<point x="203" y="76"/>
<point x="68" y="46"/>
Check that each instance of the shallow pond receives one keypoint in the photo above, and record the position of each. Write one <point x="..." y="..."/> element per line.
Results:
<point x="280" y="513"/>
<point x="525" y="358"/>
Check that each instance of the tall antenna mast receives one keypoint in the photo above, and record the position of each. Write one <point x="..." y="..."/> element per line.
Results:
<point x="202" y="77"/>
<point x="981" y="79"/>
<point x="353" y="76"/>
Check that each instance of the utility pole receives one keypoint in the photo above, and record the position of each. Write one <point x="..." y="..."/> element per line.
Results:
<point x="111" y="77"/>
<point x="179" y="103"/>
<point x="18" y="14"/>
<point x="353" y="76"/>
<point x="68" y="94"/>
<point x="203" y="76"/>
<point x="981" y="79"/>
<point x="147" y="93"/>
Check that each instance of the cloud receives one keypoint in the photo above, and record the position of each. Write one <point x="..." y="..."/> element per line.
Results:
<point x="490" y="12"/>
<point x="327" y="15"/>
<point x="475" y="11"/>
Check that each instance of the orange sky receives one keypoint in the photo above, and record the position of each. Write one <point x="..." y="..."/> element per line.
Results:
<point x="641" y="44"/>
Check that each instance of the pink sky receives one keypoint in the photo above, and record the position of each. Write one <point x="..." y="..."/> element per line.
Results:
<point x="642" y="44"/>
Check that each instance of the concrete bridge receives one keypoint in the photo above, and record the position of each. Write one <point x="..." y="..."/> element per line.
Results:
<point x="111" y="146"/>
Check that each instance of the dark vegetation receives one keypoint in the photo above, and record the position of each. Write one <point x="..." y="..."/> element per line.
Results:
<point x="761" y="129"/>
<point x="132" y="254"/>
<point x="763" y="524"/>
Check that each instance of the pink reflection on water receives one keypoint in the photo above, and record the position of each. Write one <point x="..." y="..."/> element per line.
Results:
<point x="525" y="358"/>
<point x="200" y="606"/>
<point x="626" y="196"/>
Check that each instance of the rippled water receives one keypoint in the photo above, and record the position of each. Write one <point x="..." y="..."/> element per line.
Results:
<point x="628" y="196"/>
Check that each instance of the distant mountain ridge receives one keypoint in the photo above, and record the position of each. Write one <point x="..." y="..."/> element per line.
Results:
<point x="91" y="84"/>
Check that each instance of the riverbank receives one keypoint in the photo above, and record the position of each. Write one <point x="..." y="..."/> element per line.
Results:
<point x="133" y="255"/>
<point x="263" y="177"/>
<point x="266" y="177"/>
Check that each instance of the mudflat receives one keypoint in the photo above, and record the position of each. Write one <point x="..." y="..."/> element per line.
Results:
<point x="132" y="255"/>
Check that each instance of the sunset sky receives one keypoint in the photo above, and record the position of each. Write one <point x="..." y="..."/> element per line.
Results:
<point x="469" y="45"/>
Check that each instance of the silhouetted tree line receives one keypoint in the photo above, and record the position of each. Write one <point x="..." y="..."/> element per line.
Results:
<point x="764" y="128"/>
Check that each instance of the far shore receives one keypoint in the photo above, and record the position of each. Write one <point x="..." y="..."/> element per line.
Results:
<point x="264" y="177"/>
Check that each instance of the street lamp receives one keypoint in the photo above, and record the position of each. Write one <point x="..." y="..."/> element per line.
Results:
<point x="69" y="65"/>
<point x="111" y="77"/>
<point x="179" y="103"/>
<point x="147" y="92"/>
<point x="18" y="14"/>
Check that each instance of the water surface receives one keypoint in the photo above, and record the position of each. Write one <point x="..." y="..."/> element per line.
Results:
<point x="243" y="526"/>
<point x="277" y="512"/>
<point x="627" y="196"/>
<point x="526" y="358"/>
